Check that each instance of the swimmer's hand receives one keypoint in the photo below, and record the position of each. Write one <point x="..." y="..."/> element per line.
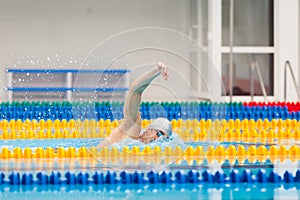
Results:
<point x="163" y="69"/>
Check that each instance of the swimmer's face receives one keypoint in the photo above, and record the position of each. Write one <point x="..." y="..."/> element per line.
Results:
<point x="149" y="135"/>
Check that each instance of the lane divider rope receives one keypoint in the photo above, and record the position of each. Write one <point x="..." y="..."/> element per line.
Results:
<point x="232" y="151"/>
<point x="188" y="130"/>
<point x="151" y="177"/>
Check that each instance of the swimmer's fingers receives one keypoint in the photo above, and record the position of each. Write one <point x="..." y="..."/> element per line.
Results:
<point x="163" y="70"/>
<point x="160" y="65"/>
<point x="166" y="74"/>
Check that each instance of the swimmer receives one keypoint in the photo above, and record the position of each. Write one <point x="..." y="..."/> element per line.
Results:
<point x="159" y="129"/>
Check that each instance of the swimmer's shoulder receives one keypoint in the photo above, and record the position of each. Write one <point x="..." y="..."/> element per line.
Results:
<point x="122" y="133"/>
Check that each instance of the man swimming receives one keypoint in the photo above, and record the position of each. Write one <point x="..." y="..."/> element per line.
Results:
<point x="131" y="125"/>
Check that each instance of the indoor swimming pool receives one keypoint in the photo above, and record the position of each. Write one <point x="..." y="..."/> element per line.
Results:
<point x="217" y="151"/>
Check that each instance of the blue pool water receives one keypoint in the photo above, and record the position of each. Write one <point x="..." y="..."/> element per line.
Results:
<point x="241" y="191"/>
<point x="88" y="142"/>
<point x="140" y="191"/>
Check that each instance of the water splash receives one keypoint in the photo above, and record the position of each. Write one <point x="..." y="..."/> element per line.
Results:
<point x="174" y="141"/>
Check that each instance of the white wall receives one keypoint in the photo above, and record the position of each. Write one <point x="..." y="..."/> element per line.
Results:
<point x="56" y="34"/>
<point x="287" y="37"/>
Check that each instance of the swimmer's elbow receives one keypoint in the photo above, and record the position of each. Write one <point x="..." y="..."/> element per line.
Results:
<point x="134" y="88"/>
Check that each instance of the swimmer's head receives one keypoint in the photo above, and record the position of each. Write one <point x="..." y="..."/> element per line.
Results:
<point x="163" y="125"/>
<point x="160" y="128"/>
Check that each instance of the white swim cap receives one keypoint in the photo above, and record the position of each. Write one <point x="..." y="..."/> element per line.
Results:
<point x="163" y="125"/>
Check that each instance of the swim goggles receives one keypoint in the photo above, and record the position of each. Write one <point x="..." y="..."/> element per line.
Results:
<point x="160" y="134"/>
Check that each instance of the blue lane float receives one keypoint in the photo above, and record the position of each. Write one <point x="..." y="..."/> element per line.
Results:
<point x="151" y="177"/>
<point x="148" y="110"/>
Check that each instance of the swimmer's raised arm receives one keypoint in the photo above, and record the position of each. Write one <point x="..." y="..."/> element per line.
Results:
<point x="131" y="125"/>
<point x="137" y="87"/>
